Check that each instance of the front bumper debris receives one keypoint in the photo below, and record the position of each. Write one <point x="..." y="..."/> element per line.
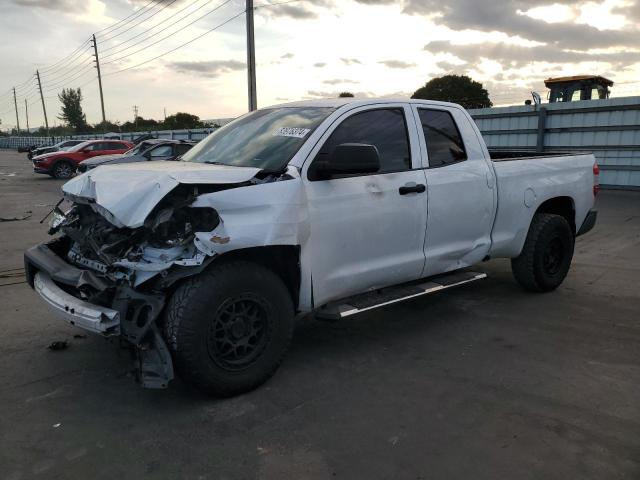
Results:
<point x="94" y="318"/>
<point x="125" y="313"/>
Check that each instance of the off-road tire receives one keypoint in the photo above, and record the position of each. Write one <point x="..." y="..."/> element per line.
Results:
<point x="546" y="256"/>
<point x="196" y="311"/>
<point x="63" y="170"/>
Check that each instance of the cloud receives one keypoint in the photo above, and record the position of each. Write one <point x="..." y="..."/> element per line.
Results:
<point x="58" y="5"/>
<point x="287" y="56"/>
<point x="212" y="68"/>
<point x="297" y="12"/>
<point x="516" y="56"/>
<point x="319" y="64"/>
<point x="338" y="81"/>
<point x="507" y="16"/>
<point x="397" y="64"/>
<point x="351" y="61"/>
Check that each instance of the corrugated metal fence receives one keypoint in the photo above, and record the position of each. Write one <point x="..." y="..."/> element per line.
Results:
<point x="608" y="128"/>
<point x="17" y="142"/>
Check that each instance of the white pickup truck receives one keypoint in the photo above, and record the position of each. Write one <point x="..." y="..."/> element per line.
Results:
<point x="325" y="207"/>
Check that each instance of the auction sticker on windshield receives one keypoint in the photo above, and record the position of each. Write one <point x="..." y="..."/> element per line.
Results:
<point x="291" y="132"/>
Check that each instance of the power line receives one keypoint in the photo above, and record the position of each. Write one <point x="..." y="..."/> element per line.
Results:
<point x="170" y="35"/>
<point x="77" y="50"/>
<point x="178" y="47"/>
<point x="139" y="14"/>
<point x="66" y="82"/>
<point x="154" y="26"/>
<point x="72" y="71"/>
<point x="155" y="34"/>
<point x="125" y="18"/>
<point x="171" y="2"/>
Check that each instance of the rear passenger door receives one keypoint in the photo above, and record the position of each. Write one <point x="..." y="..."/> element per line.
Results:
<point x="460" y="188"/>
<point x="112" y="148"/>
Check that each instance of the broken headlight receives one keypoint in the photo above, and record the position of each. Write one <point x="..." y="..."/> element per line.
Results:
<point x="172" y="227"/>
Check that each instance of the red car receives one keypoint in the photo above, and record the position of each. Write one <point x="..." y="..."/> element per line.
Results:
<point x="63" y="164"/>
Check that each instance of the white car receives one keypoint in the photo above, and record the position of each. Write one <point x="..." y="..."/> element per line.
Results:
<point x="332" y="207"/>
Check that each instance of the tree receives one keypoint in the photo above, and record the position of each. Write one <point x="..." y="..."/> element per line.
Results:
<point x="72" y="112"/>
<point x="182" y="120"/>
<point x="459" y="89"/>
<point x="346" y="95"/>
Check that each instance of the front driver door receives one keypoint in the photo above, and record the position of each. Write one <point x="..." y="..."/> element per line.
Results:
<point x="368" y="230"/>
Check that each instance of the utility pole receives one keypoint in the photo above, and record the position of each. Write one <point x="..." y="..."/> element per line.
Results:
<point x="165" y="114"/>
<point x="44" y="109"/>
<point x="97" y="60"/>
<point x="135" y="115"/>
<point x="251" y="58"/>
<point x="26" y="112"/>
<point x="15" y="102"/>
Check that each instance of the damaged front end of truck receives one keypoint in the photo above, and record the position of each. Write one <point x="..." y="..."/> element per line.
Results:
<point x="119" y="249"/>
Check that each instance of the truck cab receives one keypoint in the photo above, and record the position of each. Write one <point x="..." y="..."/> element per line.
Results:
<point x="577" y="88"/>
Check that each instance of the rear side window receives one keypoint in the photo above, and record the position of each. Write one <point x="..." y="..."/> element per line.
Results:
<point x="161" y="151"/>
<point x="97" y="146"/>
<point x="384" y="128"/>
<point x="183" y="148"/>
<point x="443" y="139"/>
<point x="115" y="146"/>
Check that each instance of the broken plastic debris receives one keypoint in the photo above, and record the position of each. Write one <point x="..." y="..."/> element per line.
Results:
<point x="27" y="214"/>
<point x="56" y="425"/>
<point x="220" y="240"/>
<point x="59" y="345"/>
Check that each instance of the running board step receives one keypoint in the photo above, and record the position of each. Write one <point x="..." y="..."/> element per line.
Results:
<point x="387" y="296"/>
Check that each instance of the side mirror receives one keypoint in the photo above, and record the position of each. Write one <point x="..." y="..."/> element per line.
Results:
<point x="349" y="159"/>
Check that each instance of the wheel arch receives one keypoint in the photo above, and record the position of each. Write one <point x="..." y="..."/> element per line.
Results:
<point x="283" y="260"/>
<point x="564" y="206"/>
<point x="60" y="160"/>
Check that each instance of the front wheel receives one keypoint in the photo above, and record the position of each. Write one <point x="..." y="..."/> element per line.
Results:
<point x="63" y="170"/>
<point x="547" y="253"/>
<point x="229" y="327"/>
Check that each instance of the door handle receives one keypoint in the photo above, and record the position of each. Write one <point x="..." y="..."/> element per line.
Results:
<point x="407" y="189"/>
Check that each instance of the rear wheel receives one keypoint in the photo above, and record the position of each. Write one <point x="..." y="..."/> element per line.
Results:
<point x="547" y="253"/>
<point x="230" y="327"/>
<point x="63" y="170"/>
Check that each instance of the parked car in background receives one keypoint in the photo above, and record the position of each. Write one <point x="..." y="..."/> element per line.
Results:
<point x="58" y="147"/>
<point x="62" y="164"/>
<point x="146" y="150"/>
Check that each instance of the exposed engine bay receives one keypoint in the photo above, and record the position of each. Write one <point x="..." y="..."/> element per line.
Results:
<point x="123" y="248"/>
<point x="137" y="254"/>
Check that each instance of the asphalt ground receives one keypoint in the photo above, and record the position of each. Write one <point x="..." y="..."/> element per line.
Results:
<point x="481" y="382"/>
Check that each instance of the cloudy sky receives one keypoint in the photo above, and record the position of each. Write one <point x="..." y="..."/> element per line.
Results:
<point x="304" y="49"/>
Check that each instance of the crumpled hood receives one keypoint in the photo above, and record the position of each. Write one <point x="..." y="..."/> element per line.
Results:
<point x="130" y="191"/>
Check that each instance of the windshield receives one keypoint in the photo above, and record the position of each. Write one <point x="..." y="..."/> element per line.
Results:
<point x="80" y="146"/>
<point x="265" y="139"/>
<point x="137" y="149"/>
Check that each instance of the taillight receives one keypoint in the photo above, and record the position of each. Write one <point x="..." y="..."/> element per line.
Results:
<point x="596" y="179"/>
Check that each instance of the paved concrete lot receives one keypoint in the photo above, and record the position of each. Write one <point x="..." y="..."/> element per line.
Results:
<point x="482" y="382"/>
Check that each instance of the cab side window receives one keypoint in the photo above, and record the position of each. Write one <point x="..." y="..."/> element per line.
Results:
<point x="94" y="147"/>
<point x="443" y="139"/>
<point x="183" y="148"/>
<point x="161" y="151"/>
<point x="386" y="129"/>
